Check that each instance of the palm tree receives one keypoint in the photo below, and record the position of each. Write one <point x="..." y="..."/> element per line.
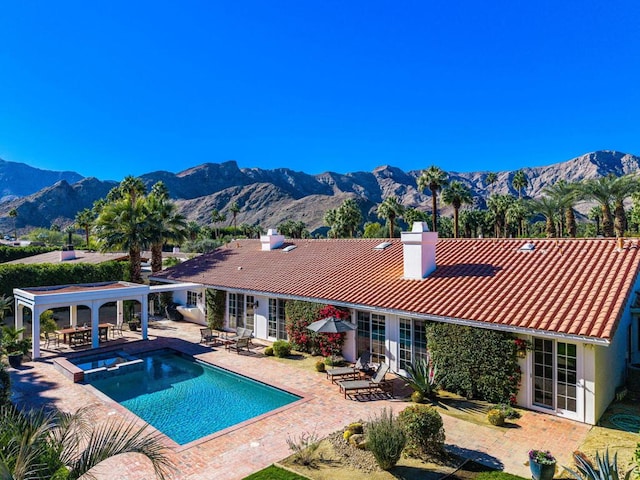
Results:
<point x="491" y="179"/>
<point x="548" y="207"/>
<point x="6" y="305"/>
<point x="520" y="181"/>
<point x="193" y="230"/>
<point x="594" y="214"/>
<point x="390" y="209"/>
<point x="471" y="221"/>
<point x="13" y="213"/>
<point x="412" y="215"/>
<point x="565" y="195"/>
<point x="217" y="217"/>
<point x="166" y="223"/>
<point x="601" y="190"/>
<point x="349" y="217"/>
<point x="516" y="214"/>
<point x="84" y="219"/>
<point x="234" y="208"/>
<point x="433" y="178"/>
<point x="623" y="188"/>
<point x="331" y="221"/>
<point x="133" y="187"/>
<point x="124" y="224"/>
<point x="498" y="205"/>
<point x="456" y="194"/>
<point x="42" y="444"/>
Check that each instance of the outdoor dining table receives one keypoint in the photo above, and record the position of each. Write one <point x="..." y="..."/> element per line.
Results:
<point x="74" y="335"/>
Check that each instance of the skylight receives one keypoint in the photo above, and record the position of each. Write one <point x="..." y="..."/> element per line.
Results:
<point x="528" y="247"/>
<point x="382" y="246"/>
<point x="289" y="248"/>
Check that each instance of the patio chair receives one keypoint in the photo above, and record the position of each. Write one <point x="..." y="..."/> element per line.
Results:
<point x="207" y="336"/>
<point x="51" y="337"/>
<point x="239" y="344"/>
<point x="116" y="330"/>
<point x="342" y="373"/>
<point x="375" y="385"/>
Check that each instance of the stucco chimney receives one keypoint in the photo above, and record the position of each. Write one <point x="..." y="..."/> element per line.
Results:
<point x="419" y="251"/>
<point x="271" y="240"/>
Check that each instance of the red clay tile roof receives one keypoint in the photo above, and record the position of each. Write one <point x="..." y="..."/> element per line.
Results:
<point x="576" y="287"/>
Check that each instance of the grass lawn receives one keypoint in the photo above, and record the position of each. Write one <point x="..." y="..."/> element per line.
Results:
<point x="274" y="473"/>
<point x="497" y="475"/>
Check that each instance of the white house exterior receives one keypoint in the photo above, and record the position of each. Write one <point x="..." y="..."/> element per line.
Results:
<point x="571" y="298"/>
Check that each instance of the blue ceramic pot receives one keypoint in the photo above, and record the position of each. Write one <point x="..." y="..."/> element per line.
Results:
<point x="542" y="471"/>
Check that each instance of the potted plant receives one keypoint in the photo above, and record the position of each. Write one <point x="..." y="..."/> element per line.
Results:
<point x="134" y="323"/>
<point x="13" y="346"/>
<point x="542" y="464"/>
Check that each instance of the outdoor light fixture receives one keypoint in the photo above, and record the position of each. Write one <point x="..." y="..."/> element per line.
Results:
<point x="257" y="303"/>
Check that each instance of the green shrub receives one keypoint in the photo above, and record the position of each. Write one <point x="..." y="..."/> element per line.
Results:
<point x="281" y="348"/>
<point x="320" y="367"/>
<point x="421" y="376"/>
<point x="268" y="351"/>
<point x="508" y="411"/>
<point x="424" y="429"/>
<point x="495" y="417"/>
<point x="477" y="363"/>
<point x="304" y="448"/>
<point x="5" y="385"/>
<point x="385" y="439"/>
<point x="417" y="397"/>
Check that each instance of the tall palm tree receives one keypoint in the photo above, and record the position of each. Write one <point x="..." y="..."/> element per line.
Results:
<point x="217" y="217"/>
<point x="520" y="181"/>
<point x="548" y="207"/>
<point x="622" y="188"/>
<point x="491" y="179"/>
<point x="456" y="194"/>
<point x="601" y="190"/>
<point x="390" y="209"/>
<point x="193" y="230"/>
<point x="166" y="223"/>
<point x="349" y="217"/>
<point x="412" y="215"/>
<point x="13" y="213"/>
<point x="124" y="224"/>
<point x="331" y="221"/>
<point x="234" y="208"/>
<point x="565" y="195"/>
<point x="433" y="178"/>
<point x="84" y="219"/>
<point x="516" y="214"/>
<point x="498" y="205"/>
<point x="594" y="214"/>
<point x="42" y="444"/>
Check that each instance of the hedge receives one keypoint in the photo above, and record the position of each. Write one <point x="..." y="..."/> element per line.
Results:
<point x="8" y="253"/>
<point x="45" y="274"/>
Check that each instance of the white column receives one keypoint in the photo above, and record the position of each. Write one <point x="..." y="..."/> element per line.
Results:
<point x="18" y="318"/>
<point x="73" y="315"/>
<point x="119" y="313"/>
<point x="35" y="332"/>
<point x="95" y="321"/>
<point x="144" y="314"/>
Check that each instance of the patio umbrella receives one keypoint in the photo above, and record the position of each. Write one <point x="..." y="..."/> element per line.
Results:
<point x="331" y="325"/>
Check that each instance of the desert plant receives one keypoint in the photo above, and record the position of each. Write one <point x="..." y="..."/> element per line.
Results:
<point x="304" y="447"/>
<point x="281" y="348"/>
<point x="421" y="376"/>
<point x="320" y="366"/>
<point x="356" y="427"/>
<point x="268" y="351"/>
<point x="385" y="439"/>
<point x="508" y="411"/>
<point x="604" y="469"/>
<point x="11" y="343"/>
<point x="495" y="417"/>
<point x="424" y="429"/>
<point x="417" y="397"/>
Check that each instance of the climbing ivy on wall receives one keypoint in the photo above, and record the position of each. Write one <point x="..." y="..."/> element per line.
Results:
<point x="475" y="362"/>
<point x="216" y="307"/>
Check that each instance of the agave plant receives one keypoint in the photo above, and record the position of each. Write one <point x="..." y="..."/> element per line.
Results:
<point x="422" y="375"/>
<point x="603" y="469"/>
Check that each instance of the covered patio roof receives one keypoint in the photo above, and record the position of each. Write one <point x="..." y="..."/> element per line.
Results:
<point x="92" y="295"/>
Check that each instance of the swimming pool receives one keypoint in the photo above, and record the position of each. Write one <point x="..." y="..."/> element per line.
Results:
<point x="186" y="399"/>
<point x="106" y="360"/>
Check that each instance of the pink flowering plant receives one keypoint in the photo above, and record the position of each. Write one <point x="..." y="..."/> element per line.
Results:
<point x="543" y="457"/>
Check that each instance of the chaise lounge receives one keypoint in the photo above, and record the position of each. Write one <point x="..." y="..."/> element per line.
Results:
<point x="343" y="373"/>
<point x="376" y="385"/>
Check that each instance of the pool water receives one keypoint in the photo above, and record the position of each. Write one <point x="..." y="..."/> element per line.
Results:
<point x="187" y="400"/>
<point x="106" y="360"/>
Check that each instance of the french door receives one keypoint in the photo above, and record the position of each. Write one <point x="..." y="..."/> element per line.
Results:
<point x="556" y="384"/>
<point x="371" y="336"/>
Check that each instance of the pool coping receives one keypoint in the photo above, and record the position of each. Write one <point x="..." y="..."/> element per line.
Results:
<point x="167" y="344"/>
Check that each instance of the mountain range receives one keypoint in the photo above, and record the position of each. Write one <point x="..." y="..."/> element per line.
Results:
<point x="269" y="197"/>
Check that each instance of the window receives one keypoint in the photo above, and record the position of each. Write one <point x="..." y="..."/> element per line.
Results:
<point x="412" y="342"/>
<point x="371" y="335"/>
<point x="236" y="310"/>
<point x="192" y="298"/>
<point x="276" y="323"/>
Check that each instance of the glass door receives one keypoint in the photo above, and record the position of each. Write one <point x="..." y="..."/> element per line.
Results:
<point x="543" y="390"/>
<point x="567" y="373"/>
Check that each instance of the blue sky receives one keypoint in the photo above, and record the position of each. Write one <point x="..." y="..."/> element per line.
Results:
<point x="117" y="88"/>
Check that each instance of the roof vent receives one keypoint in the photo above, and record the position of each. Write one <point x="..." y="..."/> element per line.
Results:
<point x="382" y="246"/>
<point x="528" y="247"/>
<point x="289" y="248"/>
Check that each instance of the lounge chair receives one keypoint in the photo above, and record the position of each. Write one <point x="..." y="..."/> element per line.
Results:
<point x="353" y="372"/>
<point x="239" y="344"/>
<point x="375" y="385"/>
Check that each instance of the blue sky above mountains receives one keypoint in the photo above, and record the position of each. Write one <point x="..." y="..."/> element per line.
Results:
<point x="117" y="88"/>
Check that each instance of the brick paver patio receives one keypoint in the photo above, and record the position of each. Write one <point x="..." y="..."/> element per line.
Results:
<point x="242" y="450"/>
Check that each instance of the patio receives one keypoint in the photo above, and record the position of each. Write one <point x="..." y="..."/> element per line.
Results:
<point x="246" y="448"/>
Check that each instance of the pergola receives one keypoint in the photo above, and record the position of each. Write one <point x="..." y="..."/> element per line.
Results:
<point x="91" y="295"/>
